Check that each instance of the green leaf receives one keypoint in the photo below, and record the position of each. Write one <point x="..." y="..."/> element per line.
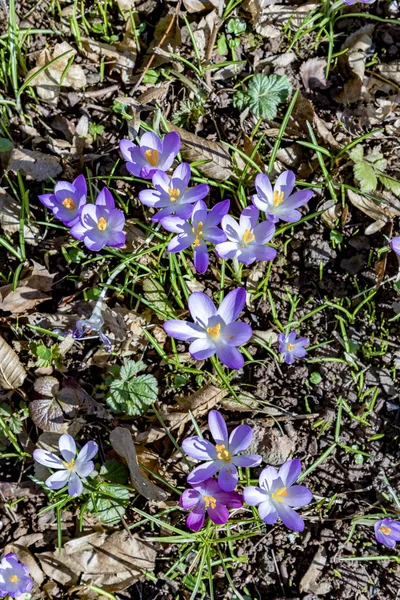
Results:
<point x="365" y="174"/>
<point x="131" y="393"/>
<point x="357" y="153"/>
<point x="265" y="93"/>
<point x="114" y="471"/>
<point x="131" y="368"/>
<point x="155" y="295"/>
<point x="5" y="145"/>
<point x="391" y="184"/>
<point x="109" y="503"/>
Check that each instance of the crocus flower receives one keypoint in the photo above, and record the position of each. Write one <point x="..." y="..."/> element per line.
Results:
<point x="247" y="239"/>
<point x="14" y="577"/>
<point x="350" y="2"/>
<point x="152" y="153"/>
<point x="70" y="468"/>
<point x="207" y="496"/>
<point x="202" y="229"/>
<point x="100" y="224"/>
<point x="279" y="204"/>
<point x="214" y="331"/>
<point x="172" y="194"/>
<point x="291" y="347"/>
<point x="67" y="200"/>
<point x="395" y="245"/>
<point x="223" y="456"/>
<point x="387" y="532"/>
<point x="92" y="325"/>
<point x="276" y="495"/>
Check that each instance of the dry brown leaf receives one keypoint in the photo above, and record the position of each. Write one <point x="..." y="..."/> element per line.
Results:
<point x="12" y="373"/>
<point x="121" y="441"/>
<point x="195" y="148"/>
<point x="381" y="213"/>
<point x="29" y="292"/>
<point x="312" y="73"/>
<point x="48" y="411"/>
<point x="33" y="164"/>
<point x="47" y="82"/>
<point x="197" y="6"/>
<point x="390" y="71"/>
<point x="10" y="218"/>
<point x="352" y="63"/>
<point x="112" y="562"/>
<point x="121" y="57"/>
<point x="310" y="580"/>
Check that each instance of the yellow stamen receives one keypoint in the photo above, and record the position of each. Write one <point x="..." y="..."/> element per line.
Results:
<point x="385" y="530"/>
<point x="223" y="453"/>
<point x="290" y="347"/>
<point x="14" y="578"/>
<point x="70" y="465"/>
<point x="248" y="237"/>
<point x="102" y="224"/>
<point x="278" y="495"/>
<point x="199" y="234"/>
<point x="279" y="197"/>
<point x="210" y="501"/>
<point x="68" y="203"/>
<point x="214" y="331"/>
<point x="152" y="157"/>
<point x="174" y="194"/>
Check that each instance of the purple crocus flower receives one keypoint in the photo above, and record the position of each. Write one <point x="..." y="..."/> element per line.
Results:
<point x="387" y="532"/>
<point x="223" y="457"/>
<point x="152" y="153"/>
<point x="247" y="239"/>
<point x="14" y="577"/>
<point x="70" y="468"/>
<point x="101" y="224"/>
<point x="279" y="204"/>
<point x="350" y="2"/>
<point x="291" y="347"/>
<point x="67" y="200"/>
<point x="202" y="229"/>
<point x="207" y="496"/>
<point x="172" y="194"/>
<point x="395" y="245"/>
<point x="214" y="331"/>
<point x="276" y="495"/>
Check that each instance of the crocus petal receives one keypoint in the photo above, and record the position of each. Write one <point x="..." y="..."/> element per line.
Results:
<point x="200" y="258"/>
<point x="125" y="147"/>
<point x="226" y="250"/>
<point x="384" y="539"/>
<point x="229" y="356"/>
<point x="218" y="211"/>
<point x="201" y="349"/>
<point x="232" y="305"/>
<point x="264" y="232"/>
<point x="88" y="452"/>
<point x="240" y="439"/>
<point x="218" y="515"/>
<point x="264" y="252"/>
<point x="230" y="499"/>
<point x="117" y="239"/>
<point x="248" y="218"/>
<point x="204" y="471"/>
<point x="199" y="213"/>
<point x="299" y="199"/>
<point x="195" y="520"/>
<point x="67" y="447"/>
<point x="75" y="485"/>
<point x="49" y="200"/>
<point x="289" y="517"/>
<point x="183" y="330"/>
<point x="267" y="477"/>
<point x="189" y="499"/>
<point x="171" y="147"/>
<point x="150" y="140"/>
<point x="201" y="308"/>
<point x="94" y="243"/>
<point x="151" y="198"/>
<point x="247" y="460"/>
<point x="254" y="496"/>
<point x="286" y="214"/>
<point x="228" y="477"/>
<point x="236" y="334"/>
<point x="231" y="228"/>
<point x="175" y="224"/>
<point x="218" y="428"/>
<point x="180" y="242"/>
<point x="48" y="459"/>
<point x="199" y="448"/>
<point x="263" y="185"/>
<point x="80" y="184"/>
<point x="285" y="183"/>
<point x="299" y="352"/>
<point x="290" y="471"/>
<point x="196" y="193"/>
<point x="297" y="496"/>
<point x="394" y="244"/>
<point x="78" y="231"/>
<point x="84" y="469"/>
<point x="58" y="480"/>
<point x="105" y="199"/>
<point x="116" y="220"/>
<point x="214" y="235"/>
<point x="268" y="512"/>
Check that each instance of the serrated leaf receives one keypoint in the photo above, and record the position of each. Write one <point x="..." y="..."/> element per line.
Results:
<point x="110" y="509"/>
<point x="365" y="174"/>
<point x="12" y="373"/>
<point x="391" y="184"/>
<point x="133" y="396"/>
<point x="266" y="93"/>
<point x="131" y="368"/>
<point x="357" y="153"/>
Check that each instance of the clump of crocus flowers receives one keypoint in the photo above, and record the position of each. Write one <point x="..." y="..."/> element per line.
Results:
<point x="14" y="577"/>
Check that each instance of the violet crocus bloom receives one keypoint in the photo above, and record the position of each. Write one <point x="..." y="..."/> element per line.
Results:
<point x="202" y="229"/>
<point x="247" y="239"/>
<point x="223" y="456"/>
<point x="14" y="577"/>
<point x="387" y="532"/>
<point x="279" y="204"/>
<point x="67" y="200"/>
<point x="207" y="496"/>
<point x="152" y="153"/>
<point x="276" y="495"/>
<point x="214" y="331"/>
<point x="70" y="468"/>
<point x="291" y="347"/>
<point x="100" y="224"/>
<point x="351" y="2"/>
<point x="395" y="245"/>
<point x="172" y="194"/>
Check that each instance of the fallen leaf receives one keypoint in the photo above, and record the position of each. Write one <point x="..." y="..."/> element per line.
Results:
<point x="352" y="63"/>
<point x="309" y="582"/>
<point x="390" y="70"/>
<point x="33" y="164"/>
<point x="197" y="6"/>
<point x="12" y="373"/>
<point x="381" y="213"/>
<point x="218" y="163"/>
<point x="48" y="412"/>
<point x="111" y="561"/>
<point x="121" y="441"/>
<point x="10" y="211"/>
<point x="29" y="292"/>
<point x="312" y="73"/>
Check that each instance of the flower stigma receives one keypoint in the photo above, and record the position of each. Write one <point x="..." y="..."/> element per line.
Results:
<point x="290" y="347"/>
<point x="214" y="332"/>
<point x="247" y="237"/>
<point x="14" y="578"/>
<point x="69" y="465"/>
<point x="278" y="496"/>
<point x="152" y="157"/>
<point x="68" y="203"/>
<point x="174" y="194"/>
<point x="385" y="530"/>
<point x="199" y="234"/>
<point x="279" y="197"/>
<point x="223" y="453"/>
<point x="210" y="501"/>
<point x="102" y="224"/>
